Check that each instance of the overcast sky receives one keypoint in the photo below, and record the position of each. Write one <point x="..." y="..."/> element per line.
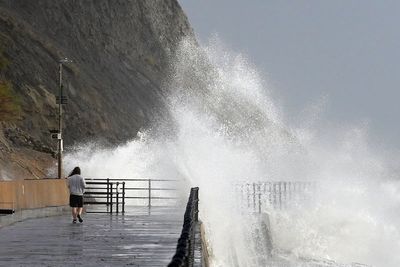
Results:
<point x="345" y="49"/>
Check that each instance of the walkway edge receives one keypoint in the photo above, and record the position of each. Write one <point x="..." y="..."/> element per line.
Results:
<point x="21" y="215"/>
<point x="204" y="247"/>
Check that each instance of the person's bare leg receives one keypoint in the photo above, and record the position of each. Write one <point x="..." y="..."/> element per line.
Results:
<point x="74" y="213"/>
<point x="79" y="214"/>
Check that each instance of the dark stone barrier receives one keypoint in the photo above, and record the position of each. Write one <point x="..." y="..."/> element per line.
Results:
<point x="184" y="256"/>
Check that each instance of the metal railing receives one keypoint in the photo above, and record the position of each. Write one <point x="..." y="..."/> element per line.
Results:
<point x="184" y="256"/>
<point x="144" y="191"/>
<point x="278" y="195"/>
<point x="105" y="193"/>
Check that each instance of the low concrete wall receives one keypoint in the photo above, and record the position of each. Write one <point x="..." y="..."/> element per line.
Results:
<point x="33" y="194"/>
<point x="21" y="215"/>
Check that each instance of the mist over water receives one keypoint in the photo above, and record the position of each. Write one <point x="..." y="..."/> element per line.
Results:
<point x="227" y="129"/>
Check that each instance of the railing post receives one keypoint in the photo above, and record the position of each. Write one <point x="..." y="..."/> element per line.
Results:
<point x="273" y="194"/>
<point x="248" y="195"/>
<point x="285" y="195"/>
<point x="270" y="193"/>
<point x="108" y="191"/>
<point x="111" y="197"/>
<point x="259" y="198"/>
<point x="280" y="194"/>
<point x="241" y="197"/>
<point x="149" y="193"/>
<point x="117" y="191"/>
<point x="123" y="197"/>
<point x="254" y="197"/>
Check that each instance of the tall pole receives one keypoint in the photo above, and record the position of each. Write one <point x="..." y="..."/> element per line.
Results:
<point x="62" y="100"/>
<point x="59" y="136"/>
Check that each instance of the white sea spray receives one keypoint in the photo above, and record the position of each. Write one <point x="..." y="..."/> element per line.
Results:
<point x="227" y="129"/>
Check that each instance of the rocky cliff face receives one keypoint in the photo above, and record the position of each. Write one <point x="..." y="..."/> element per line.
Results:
<point x="120" y="52"/>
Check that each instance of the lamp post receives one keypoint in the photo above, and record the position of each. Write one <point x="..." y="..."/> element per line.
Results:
<point x="61" y="100"/>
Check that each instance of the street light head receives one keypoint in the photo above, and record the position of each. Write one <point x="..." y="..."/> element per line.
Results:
<point x="64" y="60"/>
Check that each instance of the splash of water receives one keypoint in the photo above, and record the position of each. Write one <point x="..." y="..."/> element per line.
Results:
<point x="228" y="129"/>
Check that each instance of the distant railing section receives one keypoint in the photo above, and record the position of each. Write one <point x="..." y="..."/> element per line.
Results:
<point x="278" y="195"/>
<point x="184" y="256"/>
<point x="137" y="191"/>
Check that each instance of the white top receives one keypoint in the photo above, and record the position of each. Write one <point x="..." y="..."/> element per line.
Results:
<point x="76" y="185"/>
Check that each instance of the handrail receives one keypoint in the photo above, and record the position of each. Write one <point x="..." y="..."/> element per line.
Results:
<point x="133" y="179"/>
<point x="184" y="256"/>
<point x="108" y="191"/>
<point x="147" y="188"/>
<point x="111" y="179"/>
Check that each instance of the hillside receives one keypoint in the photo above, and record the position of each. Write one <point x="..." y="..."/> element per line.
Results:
<point x="120" y="52"/>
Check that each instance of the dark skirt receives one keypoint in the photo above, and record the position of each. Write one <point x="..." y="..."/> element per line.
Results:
<point x="75" y="201"/>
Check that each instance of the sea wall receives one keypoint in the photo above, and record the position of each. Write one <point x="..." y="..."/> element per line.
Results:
<point x="32" y="194"/>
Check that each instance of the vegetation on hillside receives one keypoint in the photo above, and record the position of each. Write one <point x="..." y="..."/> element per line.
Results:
<point x="10" y="107"/>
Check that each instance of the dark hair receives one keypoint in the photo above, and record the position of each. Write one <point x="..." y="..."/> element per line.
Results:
<point x="76" y="170"/>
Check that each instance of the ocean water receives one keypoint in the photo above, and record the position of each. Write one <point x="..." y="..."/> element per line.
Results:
<point x="226" y="128"/>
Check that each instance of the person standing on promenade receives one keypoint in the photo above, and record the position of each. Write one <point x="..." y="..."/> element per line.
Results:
<point x="76" y="185"/>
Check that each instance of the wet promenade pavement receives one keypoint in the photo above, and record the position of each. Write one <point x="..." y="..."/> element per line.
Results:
<point x="134" y="239"/>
